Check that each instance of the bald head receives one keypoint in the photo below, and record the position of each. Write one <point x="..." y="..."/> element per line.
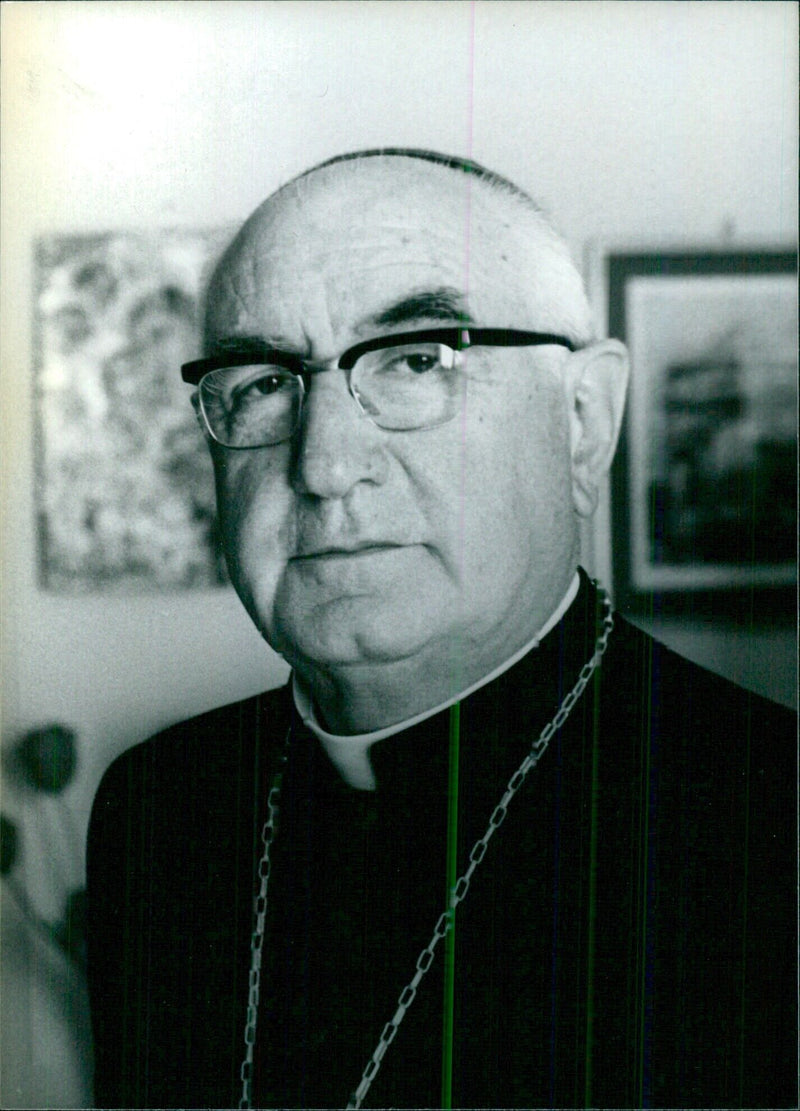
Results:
<point x="499" y="227"/>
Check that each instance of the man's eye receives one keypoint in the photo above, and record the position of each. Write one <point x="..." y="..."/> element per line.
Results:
<point x="420" y="361"/>
<point x="263" y="384"/>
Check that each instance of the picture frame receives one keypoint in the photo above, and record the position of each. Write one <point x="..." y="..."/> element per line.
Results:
<point x="704" y="509"/>
<point x="124" y="489"/>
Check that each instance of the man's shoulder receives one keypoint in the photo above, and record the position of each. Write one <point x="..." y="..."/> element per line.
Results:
<point x="672" y="696"/>
<point x="195" y="754"/>
<point x="667" y="668"/>
<point x="643" y="675"/>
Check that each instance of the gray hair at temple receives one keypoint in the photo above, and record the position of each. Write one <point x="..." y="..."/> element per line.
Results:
<point x="554" y="277"/>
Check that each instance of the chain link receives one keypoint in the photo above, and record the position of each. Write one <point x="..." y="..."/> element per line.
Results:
<point x="459" y="891"/>
<point x="457" y="894"/>
<point x="268" y="832"/>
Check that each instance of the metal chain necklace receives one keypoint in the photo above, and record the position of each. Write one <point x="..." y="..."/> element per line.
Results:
<point x="457" y="894"/>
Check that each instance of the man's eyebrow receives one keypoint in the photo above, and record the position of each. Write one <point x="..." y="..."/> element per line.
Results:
<point x="430" y="304"/>
<point x="243" y="346"/>
<point x="444" y="304"/>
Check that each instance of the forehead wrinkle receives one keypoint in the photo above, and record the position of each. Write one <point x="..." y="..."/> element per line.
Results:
<point x="512" y="259"/>
<point x="322" y="213"/>
<point x="235" y="271"/>
<point x="224" y="302"/>
<point x="352" y="239"/>
<point x="427" y="200"/>
<point x="235" y="279"/>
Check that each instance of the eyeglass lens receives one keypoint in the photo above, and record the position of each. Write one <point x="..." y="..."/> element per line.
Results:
<point x="399" y="388"/>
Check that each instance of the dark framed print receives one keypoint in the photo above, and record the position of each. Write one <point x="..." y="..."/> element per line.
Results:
<point x="705" y="480"/>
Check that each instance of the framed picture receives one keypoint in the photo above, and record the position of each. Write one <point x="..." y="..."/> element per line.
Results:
<point x="125" y="497"/>
<point x="705" y="481"/>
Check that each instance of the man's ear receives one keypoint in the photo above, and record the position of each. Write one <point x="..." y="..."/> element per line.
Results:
<point x="596" y="382"/>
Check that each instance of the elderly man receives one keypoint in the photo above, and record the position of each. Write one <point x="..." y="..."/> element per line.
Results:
<point x="492" y="846"/>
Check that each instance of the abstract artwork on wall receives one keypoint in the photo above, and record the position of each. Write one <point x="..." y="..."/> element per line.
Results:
<point x="125" y="496"/>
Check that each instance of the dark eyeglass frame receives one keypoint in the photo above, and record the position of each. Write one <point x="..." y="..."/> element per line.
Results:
<point x="456" y="337"/>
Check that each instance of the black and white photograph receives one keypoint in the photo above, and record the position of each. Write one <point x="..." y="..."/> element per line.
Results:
<point x="125" y="500"/>
<point x="398" y="616"/>
<point x="709" y="497"/>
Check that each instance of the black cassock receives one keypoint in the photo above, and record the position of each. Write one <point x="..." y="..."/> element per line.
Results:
<point x="628" y="941"/>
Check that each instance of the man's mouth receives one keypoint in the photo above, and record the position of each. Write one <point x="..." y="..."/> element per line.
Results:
<point x="335" y="551"/>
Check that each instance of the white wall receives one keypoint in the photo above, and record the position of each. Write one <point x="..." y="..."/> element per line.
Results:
<point x="637" y="123"/>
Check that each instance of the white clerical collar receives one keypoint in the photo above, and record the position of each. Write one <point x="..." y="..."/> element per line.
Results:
<point x="350" y="753"/>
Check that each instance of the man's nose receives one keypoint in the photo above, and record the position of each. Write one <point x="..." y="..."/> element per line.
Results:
<point x="336" y="446"/>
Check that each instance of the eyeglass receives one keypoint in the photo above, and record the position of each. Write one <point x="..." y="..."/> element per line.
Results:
<point x="401" y="382"/>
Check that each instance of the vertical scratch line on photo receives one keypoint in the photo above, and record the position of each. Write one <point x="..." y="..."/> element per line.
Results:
<point x="467" y="244"/>
<point x="450" y="936"/>
<point x="455" y="720"/>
